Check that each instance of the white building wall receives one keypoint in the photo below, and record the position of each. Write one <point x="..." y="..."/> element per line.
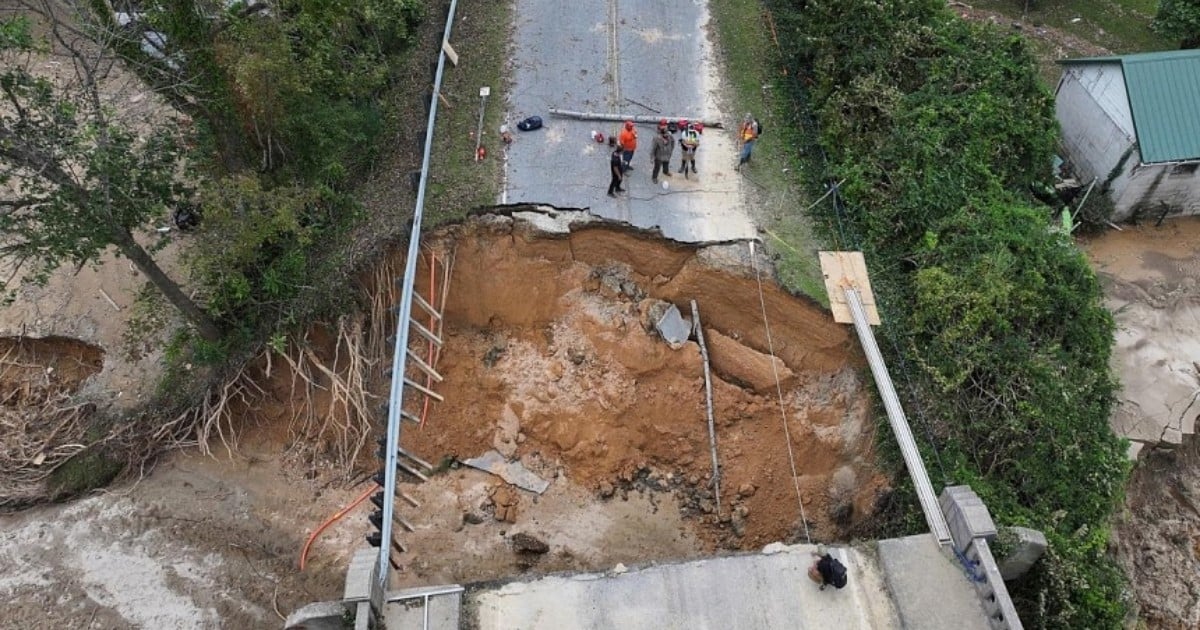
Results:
<point x="1092" y="107"/>
<point x="1093" y="112"/>
<point x="1144" y="187"/>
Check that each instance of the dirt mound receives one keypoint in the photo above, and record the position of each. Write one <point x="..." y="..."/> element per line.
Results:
<point x="1158" y="538"/>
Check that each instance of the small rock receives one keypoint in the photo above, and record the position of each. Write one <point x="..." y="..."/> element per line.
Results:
<point x="693" y="480"/>
<point x="557" y="369"/>
<point x="737" y="520"/>
<point x="746" y="490"/>
<point x="774" y="548"/>
<point x="707" y="507"/>
<point x="619" y="569"/>
<point x="473" y="517"/>
<point x="606" y="490"/>
<point x="526" y="543"/>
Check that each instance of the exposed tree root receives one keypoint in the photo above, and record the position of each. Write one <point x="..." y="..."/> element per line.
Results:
<point x="36" y="440"/>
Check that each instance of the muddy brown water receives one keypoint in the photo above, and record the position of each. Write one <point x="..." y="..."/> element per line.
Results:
<point x="1150" y="277"/>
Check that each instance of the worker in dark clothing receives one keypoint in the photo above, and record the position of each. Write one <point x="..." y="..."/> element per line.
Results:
<point x="664" y="146"/>
<point x="827" y="570"/>
<point x="616" y="168"/>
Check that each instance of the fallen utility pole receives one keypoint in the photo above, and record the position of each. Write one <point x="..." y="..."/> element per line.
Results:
<point x="647" y="120"/>
<point x="712" y="430"/>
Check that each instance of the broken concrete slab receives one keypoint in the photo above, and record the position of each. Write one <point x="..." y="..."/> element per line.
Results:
<point x="1029" y="546"/>
<point x="675" y="330"/>
<point x="1171" y="437"/>
<point x="511" y="471"/>
<point x="746" y="592"/>
<point x="318" y="616"/>
<point x="930" y="590"/>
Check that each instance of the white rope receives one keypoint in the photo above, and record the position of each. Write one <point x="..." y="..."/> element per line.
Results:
<point x="787" y="434"/>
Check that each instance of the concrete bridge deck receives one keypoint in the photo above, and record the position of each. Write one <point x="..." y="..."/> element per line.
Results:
<point x="900" y="583"/>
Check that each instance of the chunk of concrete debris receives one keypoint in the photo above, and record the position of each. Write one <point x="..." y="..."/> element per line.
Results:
<point x="318" y="616"/>
<point x="774" y="548"/>
<point x="1171" y="438"/>
<point x="511" y="471"/>
<point x="738" y="520"/>
<point x="620" y="569"/>
<point x="670" y="324"/>
<point x="527" y="543"/>
<point x="1027" y="548"/>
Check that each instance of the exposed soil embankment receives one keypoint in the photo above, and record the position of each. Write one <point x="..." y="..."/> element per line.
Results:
<point x="551" y="357"/>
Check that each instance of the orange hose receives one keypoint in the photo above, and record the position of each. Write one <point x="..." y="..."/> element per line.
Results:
<point x="424" y="413"/>
<point x="330" y="521"/>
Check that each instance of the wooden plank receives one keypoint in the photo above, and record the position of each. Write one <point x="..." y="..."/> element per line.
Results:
<point x="451" y="54"/>
<point x="847" y="269"/>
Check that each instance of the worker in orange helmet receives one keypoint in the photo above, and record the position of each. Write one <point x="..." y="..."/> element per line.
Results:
<point x="628" y="141"/>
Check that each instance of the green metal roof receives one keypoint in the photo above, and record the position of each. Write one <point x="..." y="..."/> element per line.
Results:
<point x="1164" y="97"/>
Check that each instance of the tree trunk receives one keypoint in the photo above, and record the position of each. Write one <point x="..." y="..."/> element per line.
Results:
<point x="132" y="250"/>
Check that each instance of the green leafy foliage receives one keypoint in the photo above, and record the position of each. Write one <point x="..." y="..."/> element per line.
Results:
<point x="941" y="130"/>
<point x="1179" y="20"/>
<point x="285" y="99"/>
<point x="287" y="86"/>
<point x="254" y="248"/>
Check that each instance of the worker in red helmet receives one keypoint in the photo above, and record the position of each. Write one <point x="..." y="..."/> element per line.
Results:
<point x="628" y="141"/>
<point x="689" y="141"/>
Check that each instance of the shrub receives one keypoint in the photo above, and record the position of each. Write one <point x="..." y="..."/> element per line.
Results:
<point x="940" y="130"/>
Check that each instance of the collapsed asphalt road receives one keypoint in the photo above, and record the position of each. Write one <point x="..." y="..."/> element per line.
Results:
<point x="647" y="58"/>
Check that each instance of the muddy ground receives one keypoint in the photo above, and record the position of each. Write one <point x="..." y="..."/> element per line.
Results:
<point x="1150" y="278"/>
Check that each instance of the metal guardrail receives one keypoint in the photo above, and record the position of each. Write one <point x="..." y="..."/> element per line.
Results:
<point x="399" y="354"/>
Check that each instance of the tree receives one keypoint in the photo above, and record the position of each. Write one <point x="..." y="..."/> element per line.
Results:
<point x="1179" y="20"/>
<point x="75" y="178"/>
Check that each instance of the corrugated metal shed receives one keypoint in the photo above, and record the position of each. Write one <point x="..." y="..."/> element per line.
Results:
<point x="1164" y="96"/>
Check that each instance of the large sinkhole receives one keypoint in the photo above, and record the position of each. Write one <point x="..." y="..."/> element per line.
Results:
<point x="551" y="358"/>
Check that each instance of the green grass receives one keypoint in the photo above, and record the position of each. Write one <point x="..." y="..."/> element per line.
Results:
<point x="1122" y="26"/>
<point x="749" y="57"/>
<point x="458" y="183"/>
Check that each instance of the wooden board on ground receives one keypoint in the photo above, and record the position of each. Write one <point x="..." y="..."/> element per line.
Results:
<point x="451" y="54"/>
<point x="847" y="269"/>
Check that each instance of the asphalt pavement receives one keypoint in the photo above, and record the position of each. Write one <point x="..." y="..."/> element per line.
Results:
<point x="644" y="58"/>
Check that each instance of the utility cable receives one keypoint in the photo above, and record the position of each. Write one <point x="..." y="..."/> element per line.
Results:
<point x="787" y="434"/>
